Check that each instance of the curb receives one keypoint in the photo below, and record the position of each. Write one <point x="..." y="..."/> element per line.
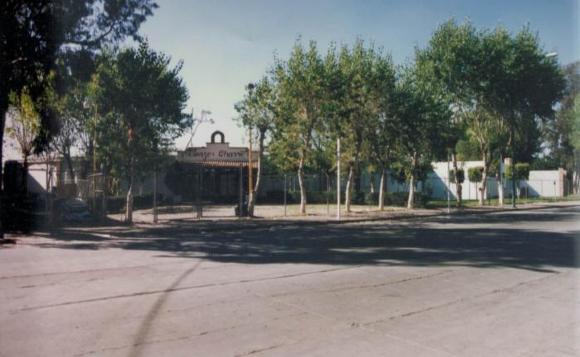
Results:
<point x="261" y="223"/>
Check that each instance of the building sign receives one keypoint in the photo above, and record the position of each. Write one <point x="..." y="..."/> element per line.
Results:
<point x="216" y="152"/>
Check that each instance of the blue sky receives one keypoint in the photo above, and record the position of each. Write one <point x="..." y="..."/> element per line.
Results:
<point x="226" y="44"/>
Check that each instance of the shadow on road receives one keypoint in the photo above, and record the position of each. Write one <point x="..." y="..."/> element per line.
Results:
<point x="435" y="241"/>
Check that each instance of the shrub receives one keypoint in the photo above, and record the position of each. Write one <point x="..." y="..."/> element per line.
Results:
<point x="460" y="175"/>
<point x="117" y="204"/>
<point x="522" y="171"/>
<point x="475" y="174"/>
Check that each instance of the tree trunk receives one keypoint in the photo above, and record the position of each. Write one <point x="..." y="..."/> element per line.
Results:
<point x="25" y="176"/>
<point x="382" y="190"/>
<point x="458" y="185"/>
<point x="252" y="203"/>
<point x="302" y="185"/>
<point x="350" y="182"/>
<point x="513" y="149"/>
<point x="348" y="193"/>
<point x="576" y="173"/>
<point x="411" y="200"/>
<point x="3" y="110"/>
<point x="129" y="207"/>
<point x="69" y="164"/>
<point x="483" y="187"/>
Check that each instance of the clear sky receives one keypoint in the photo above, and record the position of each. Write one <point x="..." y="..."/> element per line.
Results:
<point x="226" y="44"/>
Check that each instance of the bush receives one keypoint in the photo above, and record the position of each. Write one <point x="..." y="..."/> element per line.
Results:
<point x="117" y="204"/>
<point x="475" y="174"/>
<point x="460" y="175"/>
<point x="397" y="198"/>
<point x="522" y="171"/>
<point x="372" y="198"/>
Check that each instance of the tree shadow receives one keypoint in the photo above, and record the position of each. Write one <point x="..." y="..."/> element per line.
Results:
<point x="436" y="241"/>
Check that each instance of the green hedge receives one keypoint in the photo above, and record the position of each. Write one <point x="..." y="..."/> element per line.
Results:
<point x="396" y="198"/>
<point x="522" y="171"/>
<point x="475" y="174"/>
<point x="460" y="175"/>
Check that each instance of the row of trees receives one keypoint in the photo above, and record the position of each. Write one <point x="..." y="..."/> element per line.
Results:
<point x="123" y="118"/>
<point x="67" y="88"/>
<point x="489" y="87"/>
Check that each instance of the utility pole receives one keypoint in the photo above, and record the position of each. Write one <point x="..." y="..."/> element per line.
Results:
<point x="285" y="209"/>
<point x="250" y="87"/>
<point x="338" y="179"/>
<point x="448" y="187"/>
<point x="155" y="196"/>
<point x="241" y="193"/>
<point x="250" y="176"/>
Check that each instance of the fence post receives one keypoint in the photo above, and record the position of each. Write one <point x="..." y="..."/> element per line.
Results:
<point x="241" y="191"/>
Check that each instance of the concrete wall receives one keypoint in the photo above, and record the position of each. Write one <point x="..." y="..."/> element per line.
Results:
<point x="540" y="183"/>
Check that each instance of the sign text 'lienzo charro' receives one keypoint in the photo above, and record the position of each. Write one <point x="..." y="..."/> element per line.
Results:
<point x="216" y="152"/>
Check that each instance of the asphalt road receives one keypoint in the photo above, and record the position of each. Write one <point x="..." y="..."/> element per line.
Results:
<point x="503" y="284"/>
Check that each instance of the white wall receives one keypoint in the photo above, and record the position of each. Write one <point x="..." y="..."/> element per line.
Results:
<point x="548" y="183"/>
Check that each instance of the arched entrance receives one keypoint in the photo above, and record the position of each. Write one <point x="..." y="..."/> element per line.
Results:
<point x="220" y="172"/>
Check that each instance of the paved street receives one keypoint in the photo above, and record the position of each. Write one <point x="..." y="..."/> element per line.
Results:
<point x="498" y="284"/>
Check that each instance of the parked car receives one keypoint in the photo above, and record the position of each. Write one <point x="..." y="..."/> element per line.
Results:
<point x="73" y="211"/>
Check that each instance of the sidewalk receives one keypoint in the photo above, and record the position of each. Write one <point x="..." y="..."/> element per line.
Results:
<point x="317" y="214"/>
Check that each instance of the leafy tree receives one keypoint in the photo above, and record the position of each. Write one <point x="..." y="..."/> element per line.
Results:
<point x="369" y="78"/>
<point x="300" y="82"/>
<point x="522" y="171"/>
<point x="467" y="149"/>
<point x="25" y="124"/>
<point x="560" y="133"/>
<point x="450" y="62"/>
<point x="257" y="111"/>
<point x="528" y="86"/>
<point x="475" y="174"/>
<point x="40" y="30"/>
<point x="496" y="82"/>
<point x="140" y="101"/>
<point x="383" y="126"/>
<point x="422" y="117"/>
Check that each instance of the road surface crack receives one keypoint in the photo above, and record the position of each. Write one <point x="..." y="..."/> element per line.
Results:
<point x="458" y="301"/>
<point x="164" y="291"/>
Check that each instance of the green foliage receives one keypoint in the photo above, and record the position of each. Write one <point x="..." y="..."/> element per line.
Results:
<point x="522" y="171"/>
<point x="460" y="176"/>
<point x="467" y="150"/>
<point x="300" y="94"/>
<point x="475" y="174"/>
<point x="500" y="85"/>
<point x="256" y="110"/>
<point x="562" y="135"/>
<point x="25" y="124"/>
<point x="398" y="199"/>
<point x="140" y="100"/>
<point x="44" y="30"/>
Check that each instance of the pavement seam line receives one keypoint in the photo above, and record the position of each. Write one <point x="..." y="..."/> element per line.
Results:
<point x="440" y="306"/>
<point x="347" y="324"/>
<point x="143" y="293"/>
